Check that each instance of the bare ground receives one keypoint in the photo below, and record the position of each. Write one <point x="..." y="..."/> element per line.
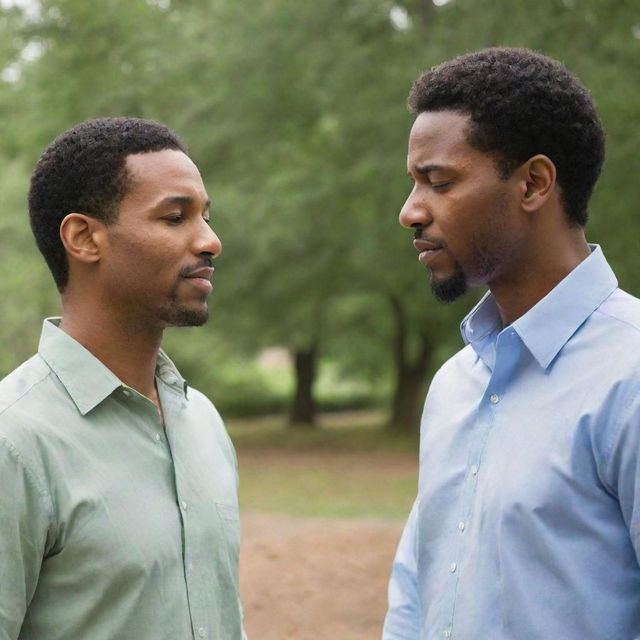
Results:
<point x="315" y="579"/>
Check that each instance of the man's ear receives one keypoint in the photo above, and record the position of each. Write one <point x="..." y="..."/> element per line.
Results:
<point x="80" y="235"/>
<point x="540" y="181"/>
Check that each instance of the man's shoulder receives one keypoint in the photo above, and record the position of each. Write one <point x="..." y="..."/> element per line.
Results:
<point x="210" y="419"/>
<point x="456" y="367"/>
<point x="201" y="400"/>
<point x="614" y="340"/>
<point x="206" y="411"/>
<point x="19" y="385"/>
<point x="464" y="356"/>
<point x="23" y="418"/>
<point x="622" y="308"/>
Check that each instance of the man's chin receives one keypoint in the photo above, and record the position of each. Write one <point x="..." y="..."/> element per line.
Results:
<point x="185" y="317"/>
<point x="449" y="289"/>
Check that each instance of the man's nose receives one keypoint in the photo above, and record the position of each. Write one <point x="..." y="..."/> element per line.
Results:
<point x="208" y="241"/>
<point x="415" y="213"/>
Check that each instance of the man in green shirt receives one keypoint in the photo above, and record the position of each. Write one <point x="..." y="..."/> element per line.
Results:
<point x="118" y="500"/>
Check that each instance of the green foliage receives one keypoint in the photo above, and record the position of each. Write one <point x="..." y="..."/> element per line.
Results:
<point x="295" y="114"/>
<point x="241" y="386"/>
<point x="26" y="288"/>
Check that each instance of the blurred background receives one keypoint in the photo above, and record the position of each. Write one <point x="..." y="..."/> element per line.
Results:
<point x="323" y="335"/>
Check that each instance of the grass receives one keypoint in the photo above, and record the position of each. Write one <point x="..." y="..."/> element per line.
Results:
<point x="348" y="467"/>
<point x="342" y="431"/>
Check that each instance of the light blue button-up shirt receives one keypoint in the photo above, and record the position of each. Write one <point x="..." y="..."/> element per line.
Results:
<point x="527" y="520"/>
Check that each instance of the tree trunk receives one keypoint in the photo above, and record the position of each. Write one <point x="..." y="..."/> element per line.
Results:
<point x="303" y="410"/>
<point x="408" y="397"/>
<point x="411" y="374"/>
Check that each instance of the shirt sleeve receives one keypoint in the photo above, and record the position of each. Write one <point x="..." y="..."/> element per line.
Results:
<point x="24" y="520"/>
<point x="402" y="620"/>
<point x="623" y="469"/>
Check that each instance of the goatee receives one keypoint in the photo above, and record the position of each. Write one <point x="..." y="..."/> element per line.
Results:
<point x="451" y="288"/>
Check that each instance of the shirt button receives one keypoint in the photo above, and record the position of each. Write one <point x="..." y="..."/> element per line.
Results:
<point x="452" y="567"/>
<point x="461" y="526"/>
<point x="446" y="633"/>
<point x="126" y="393"/>
<point x="202" y="632"/>
<point x="474" y="470"/>
<point x="495" y="398"/>
<point x="157" y="437"/>
<point x="183" y="504"/>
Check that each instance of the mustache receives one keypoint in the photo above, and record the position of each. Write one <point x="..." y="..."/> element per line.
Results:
<point x="204" y="262"/>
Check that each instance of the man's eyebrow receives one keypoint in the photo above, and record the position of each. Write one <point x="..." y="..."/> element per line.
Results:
<point x="184" y="200"/>
<point x="428" y="168"/>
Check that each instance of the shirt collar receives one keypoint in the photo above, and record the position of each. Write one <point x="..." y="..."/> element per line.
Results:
<point x="169" y="374"/>
<point x="85" y="378"/>
<point x="548" y="325"/>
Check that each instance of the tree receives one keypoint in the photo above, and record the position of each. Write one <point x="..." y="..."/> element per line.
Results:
<point x="297" y="121"/>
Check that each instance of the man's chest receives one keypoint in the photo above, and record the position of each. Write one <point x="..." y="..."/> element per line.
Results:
<point x="510" y="494"/>
<point x="142" y="516"/>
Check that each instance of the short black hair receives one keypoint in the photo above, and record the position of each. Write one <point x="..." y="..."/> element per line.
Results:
<point x="84" y="171"/>
<point x="522" y="103"/>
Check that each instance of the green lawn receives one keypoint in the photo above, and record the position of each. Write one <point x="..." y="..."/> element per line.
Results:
<point x="348" y="467"/>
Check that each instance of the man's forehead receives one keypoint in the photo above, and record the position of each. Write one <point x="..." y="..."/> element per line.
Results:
<point x="438" y="137"/>
<point x="162" y="160"/>
<point x="161" y="169"/>
<point x="439" y="127"/>
<point x="158" y="175"/>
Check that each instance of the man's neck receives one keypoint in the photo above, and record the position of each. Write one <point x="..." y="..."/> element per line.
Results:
<point x="540" y="272"/>
<point x="130" y="352"/>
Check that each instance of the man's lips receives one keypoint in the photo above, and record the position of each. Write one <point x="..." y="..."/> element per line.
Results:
<point x="201" y="277"/>
<point x="428" y="249"/>
<point x="202" y="272"/>
<point x="426" y="245"/>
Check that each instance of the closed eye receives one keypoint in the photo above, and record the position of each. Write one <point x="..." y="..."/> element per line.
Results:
<point x="174" y="219"/>
<point x="441" y="186"/>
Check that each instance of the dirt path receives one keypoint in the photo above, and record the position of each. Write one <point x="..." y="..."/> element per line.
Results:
<point x="315" y="579"/>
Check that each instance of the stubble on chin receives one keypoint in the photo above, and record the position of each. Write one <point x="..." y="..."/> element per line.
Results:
<point x="187" y="318"/>
<point x="175" y="314"/>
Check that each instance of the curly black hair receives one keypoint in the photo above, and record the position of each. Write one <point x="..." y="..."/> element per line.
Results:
<point x="522" y="103"/>
<point x="84" y="171"/>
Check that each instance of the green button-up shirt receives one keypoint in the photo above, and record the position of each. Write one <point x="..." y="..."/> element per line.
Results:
<point x="113" y="525"/>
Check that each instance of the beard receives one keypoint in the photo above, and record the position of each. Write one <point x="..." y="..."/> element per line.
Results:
<point x="488" y="256"/>
<point x="181" y="317"/>
<point x="176" y="314"/>
<point x="451" y="288"/>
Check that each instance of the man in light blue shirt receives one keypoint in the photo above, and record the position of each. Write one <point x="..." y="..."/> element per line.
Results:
<point x="118" y="500"/>
<point x="527" y="521"/>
